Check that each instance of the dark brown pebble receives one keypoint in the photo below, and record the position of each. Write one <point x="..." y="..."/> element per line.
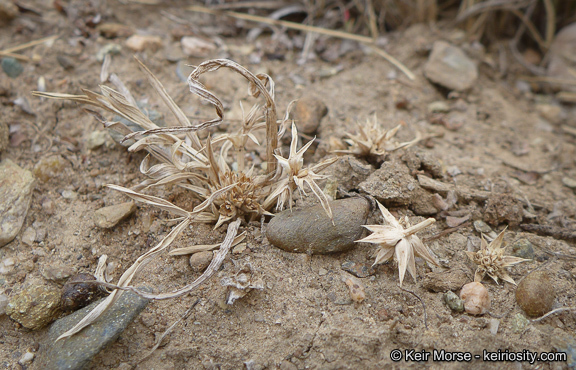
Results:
<point x="78" y="295"/>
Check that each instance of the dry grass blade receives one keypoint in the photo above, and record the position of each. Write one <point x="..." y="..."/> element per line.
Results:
<point x="210" y="270"/>
<point x="125" y="279"/>
<point x="204" y="247"/>
<point x="152" y="200"/>
<point x="301" y="27"/>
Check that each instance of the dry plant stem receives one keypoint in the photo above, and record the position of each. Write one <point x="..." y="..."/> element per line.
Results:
<point x="210" y="270"/>
<point x="301" y="27"/>
<point x="421" y="301"/>
<point x="29" y="44"/>
<point x="561" y="309"/>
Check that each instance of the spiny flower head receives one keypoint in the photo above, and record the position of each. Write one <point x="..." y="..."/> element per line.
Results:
<point x="401" y="243"/>
<point x="492" y="261"/>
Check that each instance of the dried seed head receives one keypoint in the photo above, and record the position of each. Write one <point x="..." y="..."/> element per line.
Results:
<point x="401" y="243"/>
<point x="492" y="261"/>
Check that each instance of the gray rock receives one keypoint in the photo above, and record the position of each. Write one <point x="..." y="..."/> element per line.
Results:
<point x="57" y="271"/>
<point x="391" y="184"/>
<point x="4" y="136"/>
<point x="450" y="280"/>
<point x="12" y="67"/>
<point x="35" y="306"/>
<point x="561" y="57"/>
<point x="450" y="67"/>
<point x="453" y="301"/>
<point x="308" y="113"/>
<point x="565" y="342"/>
<point x="3" y="303"/>
<point x="523" y="248"/>
<point x="16" y="186"/>
<point x="110" y="216"/>
<point x="309" y="230"/>
<point x="535" y="294"/>
<point x="77" y="351"/>
<point x="349" y="170"/>
<point x="567" y="181"/>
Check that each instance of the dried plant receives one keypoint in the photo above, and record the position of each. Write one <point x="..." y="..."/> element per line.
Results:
<point x="178" y="157"/>
<point x="374" y="141"/>
<point x="399" y="241"/>
<point x="492" y="261"/>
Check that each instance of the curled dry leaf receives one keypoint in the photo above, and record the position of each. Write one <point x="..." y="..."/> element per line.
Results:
<point x="394" y="240"/>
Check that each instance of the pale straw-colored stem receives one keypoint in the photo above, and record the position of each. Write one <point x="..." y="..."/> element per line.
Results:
<point x="418" y="227"/>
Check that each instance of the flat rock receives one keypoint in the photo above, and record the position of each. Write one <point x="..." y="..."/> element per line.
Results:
<point x="309" y="230"/>
<point x="35" y="306"/>
<point x="308" y="113"/>
<point x="77" y="351"/>
<point x="450" y="67"/>
<point x="450" y="280"/>
<point x="391" y="184"/>
<point x="16" y="186"/>
<point x="57" y="271"/>
<point x="110" y="216"/>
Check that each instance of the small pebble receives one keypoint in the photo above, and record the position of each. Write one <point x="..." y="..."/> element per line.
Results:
<point x="110" y="216"/>
<point x="143" y="42"/>
<point x="523" y="248"/>
<point x="494" y="324"/>
<point x="199" y="261"/>
<point x="28" y="236"/>
<point x="65" y="62"/>
<point x="8" y="11"/>
<point x="197" y="47"/>
<point x="519" y="323"/>
<point x="535" y="294"/>
<point x="308" y="113"/>
<point x="96" y="139"/>
<point x="7" y="266"/>
<point x="438" y="107"/>
<point x="569" y="182"/>
<point x="360" y="270"/>
<point x="49" y="167"/>
<point x="26" y="358"/>
<point x="453" y="301"/>
<point x="450" y="67"/>
<point x="476" y="298"/>
<point x="16" y="187"/>
<point x="35" y="306"/>
<point x="310" y="230"/>
<point x="112" y="49"/>
<point x="69" y="194"/>
<point x="322" y="271"/>
<point x="57" y="271"/>
<point x="483" y="228"/>
<point x="356" y="289"/>
<point x="12" y="67"/>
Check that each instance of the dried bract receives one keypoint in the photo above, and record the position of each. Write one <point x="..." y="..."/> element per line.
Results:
<point x="492" y="261"/>
<point x="394" y="240"/>
<point x="374" y="141"/>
